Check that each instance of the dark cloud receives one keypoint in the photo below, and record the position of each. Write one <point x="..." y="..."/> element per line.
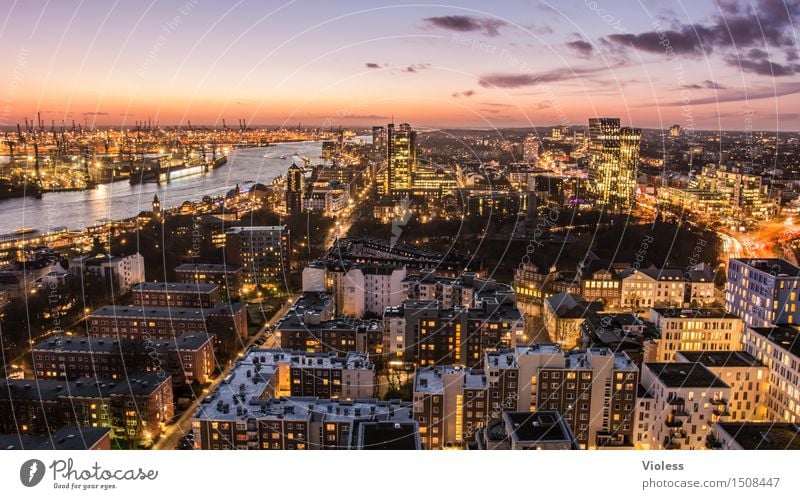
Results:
<point x="88" y="113"/>
<point x="373" y="65"/>
<point x="516" y="80"/>
<point x="581" y="48"/>
<point x="739" y="27"/>
<point x="683" y="41"/>
<point x="767" y="92"/>
<point x="489" y="27"/>
<point x="714" y="85"/>
<point x="465" y="93"/>
<point x="706" y="84"/>
<point x="365" y="117"/>
<point x="763" y="67"/>
<point x="416" y="67"/>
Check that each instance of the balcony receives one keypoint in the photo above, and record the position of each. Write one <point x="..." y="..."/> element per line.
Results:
<point x="680" y="412"/>
<point x="676" y="401"/>
<point x="675" y="423"/>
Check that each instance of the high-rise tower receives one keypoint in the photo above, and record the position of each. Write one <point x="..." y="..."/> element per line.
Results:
<point x="613" y="158"/>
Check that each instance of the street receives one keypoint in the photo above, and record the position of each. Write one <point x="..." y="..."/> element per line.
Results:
<point x="183" y="424"/>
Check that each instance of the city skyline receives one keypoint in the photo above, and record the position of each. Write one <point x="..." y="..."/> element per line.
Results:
<point x="708" y="65"/>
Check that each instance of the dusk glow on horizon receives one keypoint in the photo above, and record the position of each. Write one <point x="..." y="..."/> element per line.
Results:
<point x="707" y="65"/>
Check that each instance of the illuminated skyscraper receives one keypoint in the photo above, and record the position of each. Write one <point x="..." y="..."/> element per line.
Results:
<point x="613" y="157"/>
<point x="295" y="183"/>
<point x="530" y="149"/>
<point x="401" y="159"/>
<point x="379" y="143"/>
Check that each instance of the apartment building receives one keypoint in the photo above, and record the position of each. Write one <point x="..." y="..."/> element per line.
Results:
<point x="230" y="419"/>
<point x="121" y="272"/>
<point x="666" y="287"/>
<point x="779" y="349"/>
<point x="187" y="358"/>
<point x="264" y="253"/>
<point x="134" y="407"/>
<point x="227" y="322"/>
<point x="175" y="294"/>
<point x="302" y="374"/>
<point x="685" y="401"/>
<point x="540" y="430"/>
<point x="755" y="436"/>
<point x="747" y="377"/>
<point x="691" y="329"/>
<point x="357" y="289"/>
<point x="229" y="278"/>
<point x="763" y="291"/>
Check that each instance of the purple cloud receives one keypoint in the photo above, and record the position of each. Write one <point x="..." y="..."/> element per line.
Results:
<point x="581" y="48"/>
<point x="489" y="27"/>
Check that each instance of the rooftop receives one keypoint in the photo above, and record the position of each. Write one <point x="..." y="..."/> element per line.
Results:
<point x="267" y="357"/>
<point x="764" y="436"/>
<point x="137" y="384"/>
<point x="537" y="427"/>
<point x="379" y="435"/>
<point x="779" y="266"/>
<point x="432" y="379"/>
<point x="721" y="358"/>
<point x="694" y="313"/>
<point x="173" y="287"/>
<point x="93" y="344"/>
<point x="684" y="375"/>
<point x="124" y="311"/>
<point x="66" y="438"/>
<point x="786" y="337"/>
<point x="207" y="267"/>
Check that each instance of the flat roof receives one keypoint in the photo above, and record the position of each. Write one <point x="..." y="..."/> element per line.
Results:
<point x="694" y="313"/>
<point x="783" y="268"/>
<point x="207" y="267"/>
<point x="380" y="435"/>
<point x="431" y="379"/>
<point x="174" y="313"/>
<point x="721" y="358"/>
<point x="764" y="436"/>
<point x="66" y="438"/>
<point x="685" y="375"/>
<point x="136" y="384"/>
<point x="174" y="287"/>
<point x="785" y="337"/>
<point x="539" y="426"/>
<point x="311" y="360"/>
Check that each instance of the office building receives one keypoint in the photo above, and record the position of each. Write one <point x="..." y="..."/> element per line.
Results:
<point x="401" y="156"/>
<point x="295" y="189"/>
<point x="613" y="162"/>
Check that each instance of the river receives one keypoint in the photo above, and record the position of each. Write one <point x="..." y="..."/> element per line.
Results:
<point x="80" y="209"/>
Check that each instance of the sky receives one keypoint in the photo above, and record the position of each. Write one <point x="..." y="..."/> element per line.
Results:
<point x="703" y="64"/>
